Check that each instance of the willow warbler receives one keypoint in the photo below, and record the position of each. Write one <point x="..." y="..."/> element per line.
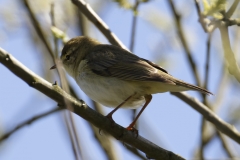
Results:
<point x="115" y="77"/>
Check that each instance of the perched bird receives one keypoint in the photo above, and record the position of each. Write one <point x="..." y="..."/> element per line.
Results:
<point x="115" y="77"/>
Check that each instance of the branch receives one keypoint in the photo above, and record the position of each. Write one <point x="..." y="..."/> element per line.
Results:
<point x="92" y="16"/>
<point x="221" y="125"/>
<point x="207" y="64"/>
<point x="231" y="22"/>
<point x="80" y="108"/>
<point x="134" y="25"/>
<point x="192" y="63"/>
<point x="70" y="123"/>
<point x="38" y="28"/>
<point x="233" y="67"/>
<point x="232" y="9"/>
<point x="98" y="22"/>
<point x="6" y="135"/>
<point x="225" y="145"/>
<point x="76" y="150"/>
<point x="105" y="141"/>
<point x="202" y="18"/>
<point x="203" y="123"/>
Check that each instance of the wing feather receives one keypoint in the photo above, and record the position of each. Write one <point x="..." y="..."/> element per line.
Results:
<point x="112" y="61"/>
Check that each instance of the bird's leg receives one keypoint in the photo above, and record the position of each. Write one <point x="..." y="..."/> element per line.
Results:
<point x="148" y="99"/>
<point x="109" y="115"/>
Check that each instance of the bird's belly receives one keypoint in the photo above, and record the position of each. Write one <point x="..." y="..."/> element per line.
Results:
<point x="110" y="91"/>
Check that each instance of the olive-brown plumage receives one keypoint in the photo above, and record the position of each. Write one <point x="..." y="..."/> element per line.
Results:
<point x="115" y="77"/>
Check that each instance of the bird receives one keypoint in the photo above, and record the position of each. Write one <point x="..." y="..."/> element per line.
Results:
<point x="115" y="77"/>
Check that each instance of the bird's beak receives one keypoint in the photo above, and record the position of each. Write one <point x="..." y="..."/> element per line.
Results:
<point x="53" y="67"/>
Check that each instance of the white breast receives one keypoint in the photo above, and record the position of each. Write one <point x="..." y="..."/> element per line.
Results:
<point x="108" y="91"/>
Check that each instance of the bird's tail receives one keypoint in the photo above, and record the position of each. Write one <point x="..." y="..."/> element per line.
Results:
<point x="192" y="87"/>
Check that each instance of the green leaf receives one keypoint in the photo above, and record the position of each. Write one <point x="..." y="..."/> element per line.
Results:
<point x="213" y="8"/>
<point x="59" y="34"/>
<point x="124" y="4"/>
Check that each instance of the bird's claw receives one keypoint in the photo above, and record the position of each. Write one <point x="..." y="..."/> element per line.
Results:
<point x="132" y="129"/>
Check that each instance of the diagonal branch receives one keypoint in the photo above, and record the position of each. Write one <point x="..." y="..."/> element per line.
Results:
<point x="225" y="145"/>
<point x="6" y="135"/>
<point x="210" y="116"/>
<point x="202" y="18"/>
<point x="177" y="19"/>
<point x="206" y="139"/>
<point x="134" y="25"/>
<point x="232" y="9"/>
<point x="106" y="141"/>
<point x="38" y="28"/>
<point x="233" y="67"/>
<point x="98" y="22"/>
<point x="80" y="108"/>
<point x="70" y="123"/>
<point x="76" y="150"/>
<point x="203" y="122"/>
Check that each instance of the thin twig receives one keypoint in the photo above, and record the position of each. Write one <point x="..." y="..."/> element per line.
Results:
<point x="75" y="135"/>
<point x="177" y="19"/>
<point x="232" y="9"/>
<point x="80" y="108"/>
<point x="203" y="122"/>
<point x="205" y="85"/>
<point x="202" y="138"/>
<point x="98" y="22"/>
<point x="191" y="62"/>
<point x="80" y="21"/>
<point x="71" y="137"/>
<point x="38" y="28"/>
<point x="133" y="32"/>
<point x="225" y="145"/>
<point x="204" y="141"/>
<point x="134" y="25"/>
<point x="233" y="67"/>
<point x="42" y="36"/>
<point x="71" y="128"/>
<point x="220" y="96"/>
<point x="55" y="39"/>
<point x="221" y="86"/>
<point x="210" y="116"/>
<point x="28" y="122"/>
<point x="132" y="42"/>
<point x="201" y="17"/>
<point x="106" y="142"/>
<point x="93" y="17"/>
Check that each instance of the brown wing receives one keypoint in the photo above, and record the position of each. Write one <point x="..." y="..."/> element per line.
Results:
<point x="112" y="61"/>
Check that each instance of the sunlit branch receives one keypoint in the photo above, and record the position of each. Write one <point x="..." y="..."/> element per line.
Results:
<point x="210" y="116"/>
<point x="98" y="22"/>
<point x="80" y="108"/>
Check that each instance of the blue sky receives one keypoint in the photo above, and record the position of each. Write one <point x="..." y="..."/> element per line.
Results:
<point x="167" y="121"/>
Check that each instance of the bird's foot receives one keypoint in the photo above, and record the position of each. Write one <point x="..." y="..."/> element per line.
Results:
<point x="132" y="129"/>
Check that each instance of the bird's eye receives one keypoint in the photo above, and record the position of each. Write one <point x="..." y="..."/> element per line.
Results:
<point x="67" y="57"/>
